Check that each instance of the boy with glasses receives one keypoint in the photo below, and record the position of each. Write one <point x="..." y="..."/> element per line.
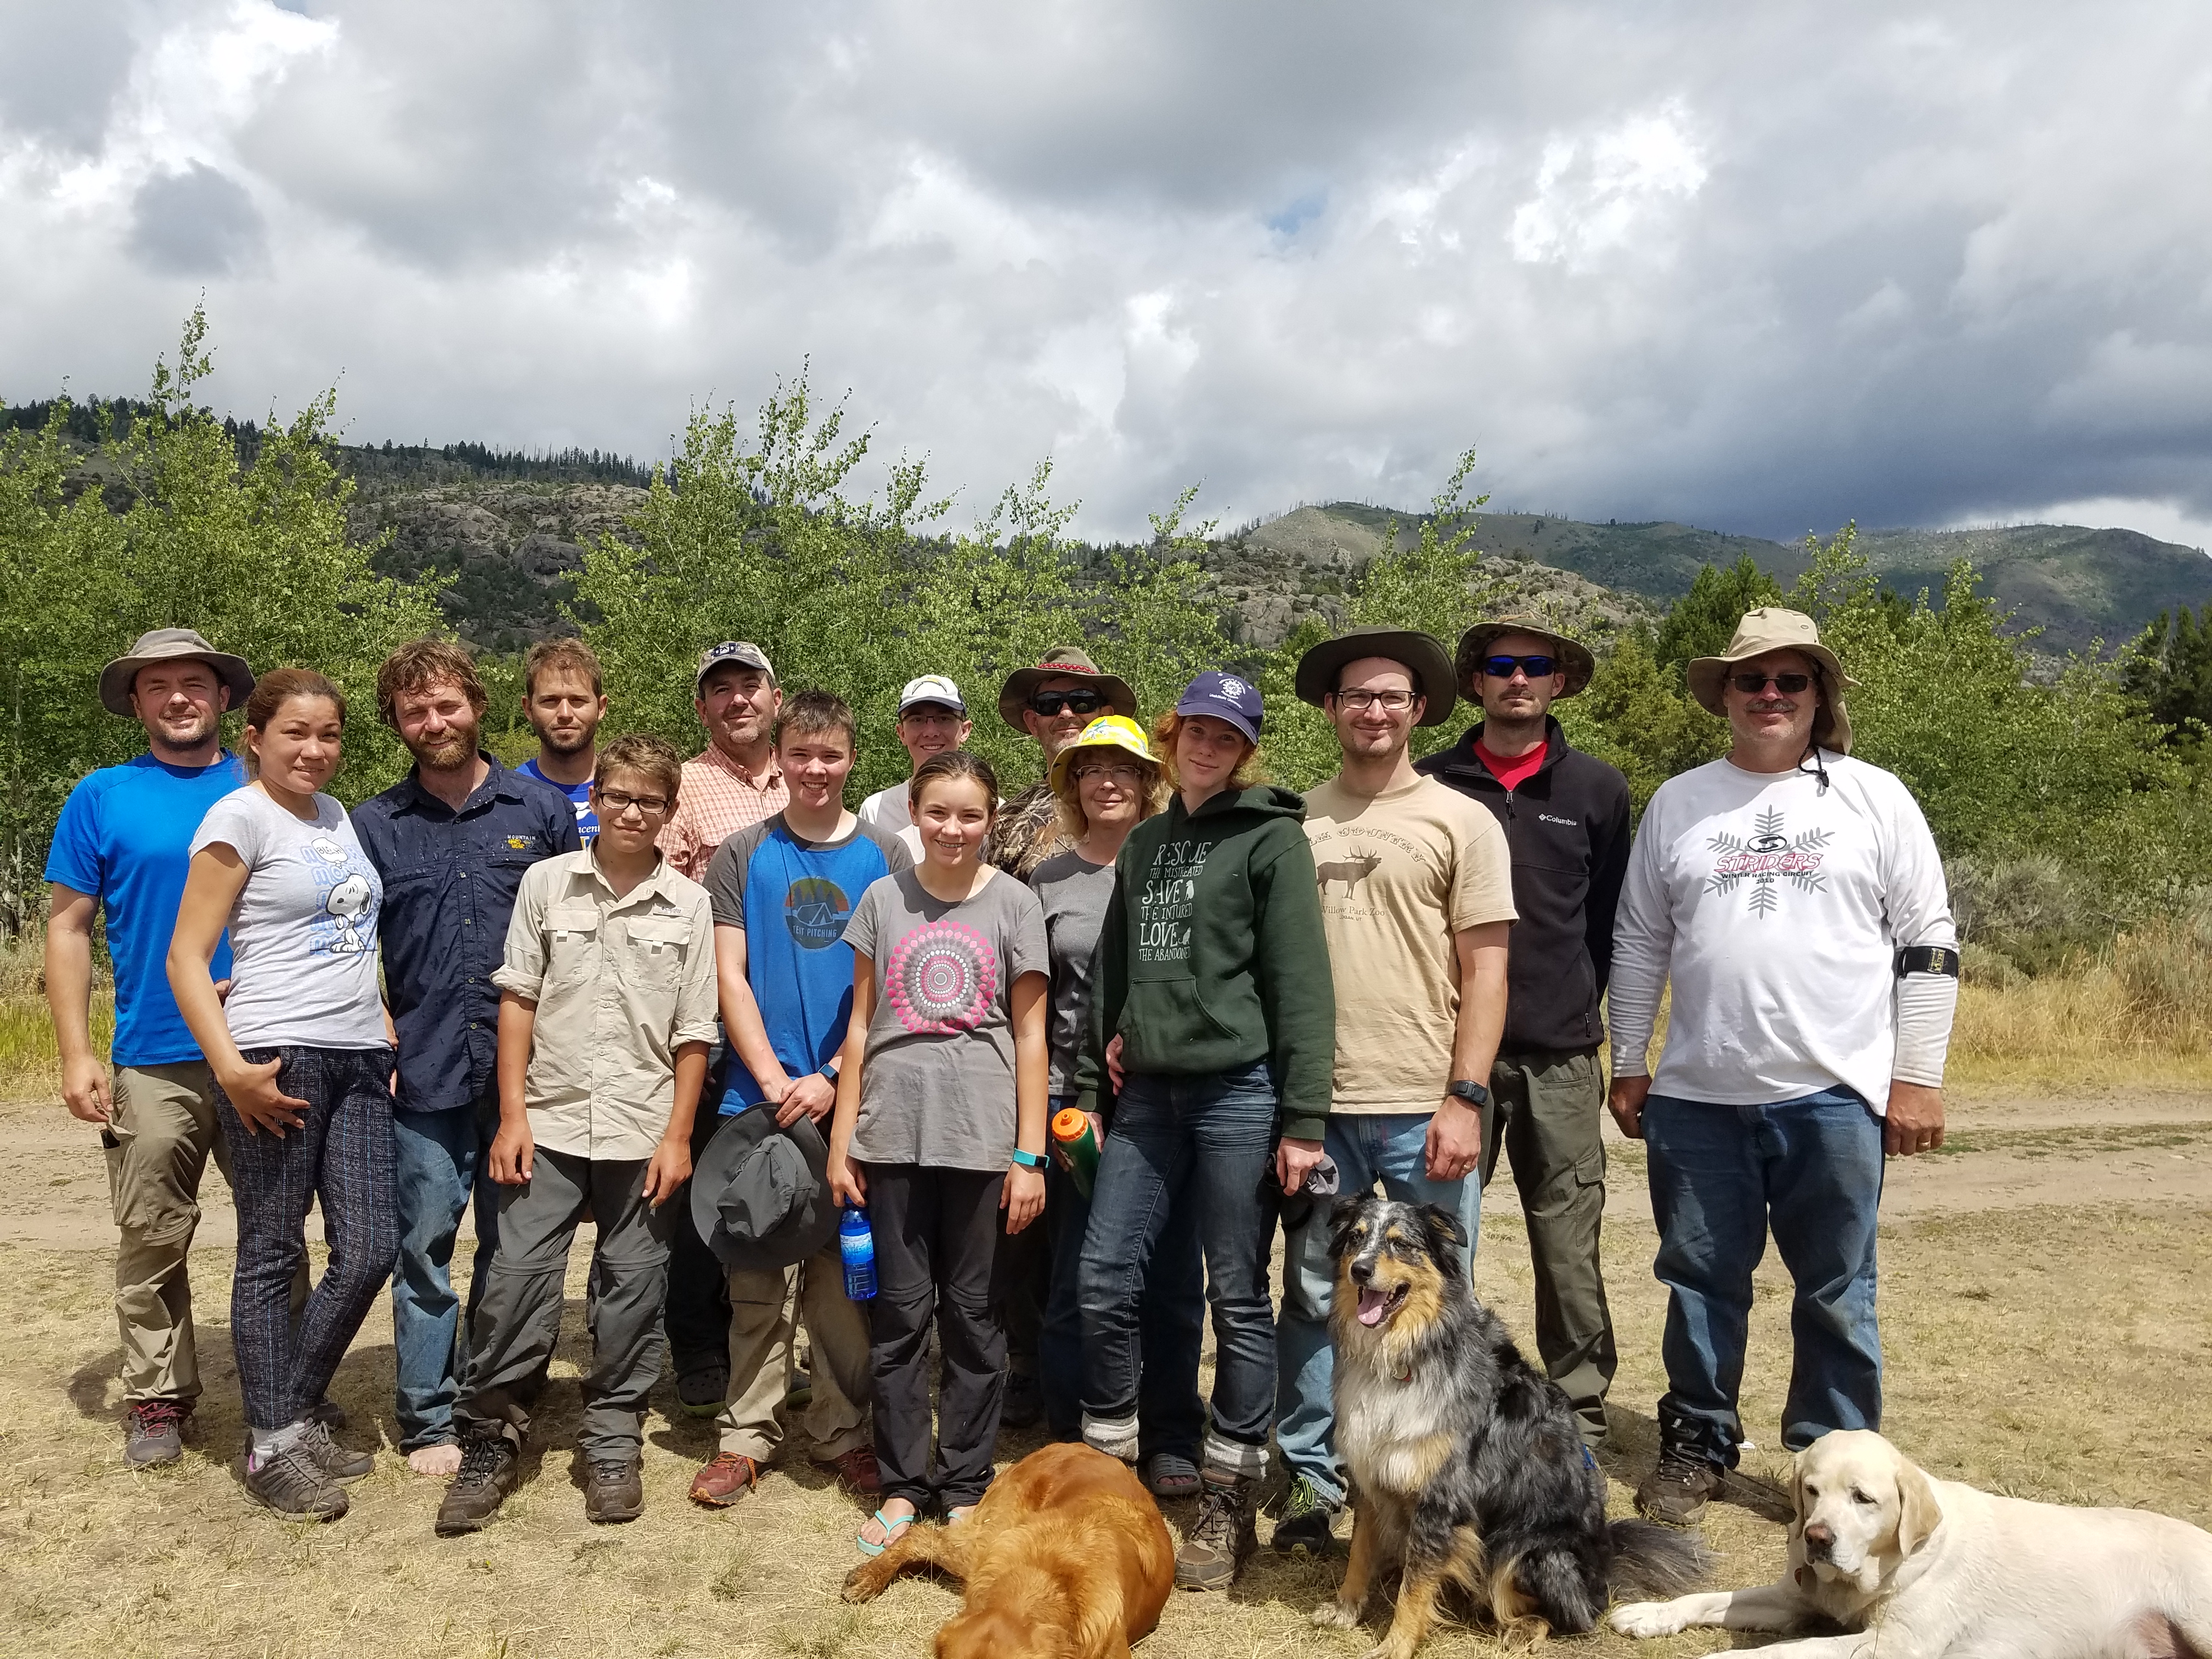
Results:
<point x="931" y="718"/>
<point x="1565" y="816"/>
<point x="607" y="1010"/>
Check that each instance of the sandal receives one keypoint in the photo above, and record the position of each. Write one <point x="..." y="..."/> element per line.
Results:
<point x="890" y="1533"/>
<point x="959" y="1513"/>
<point x="1170" y="1474"/>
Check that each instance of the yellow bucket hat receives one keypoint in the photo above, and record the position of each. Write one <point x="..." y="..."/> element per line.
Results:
<point x="1107" y="732"/>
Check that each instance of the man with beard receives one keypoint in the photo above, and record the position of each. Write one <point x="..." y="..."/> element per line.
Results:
<point x="564" y="701"/>
<point x="1052" y="703"/>
<point x="121" y="847"/>
<point x="450" y="841"/>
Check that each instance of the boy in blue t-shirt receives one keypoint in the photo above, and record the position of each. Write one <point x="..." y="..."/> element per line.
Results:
<point x="120" y="849"/>
<point x="783" y="890"/>
<point x="564" y="700"/>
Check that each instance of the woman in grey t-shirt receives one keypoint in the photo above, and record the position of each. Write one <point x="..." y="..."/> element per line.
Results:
<point x="940" y="1126"/>
<point x="301" y="1056"/>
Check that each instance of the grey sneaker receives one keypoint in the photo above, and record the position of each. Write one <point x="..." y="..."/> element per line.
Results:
<point x="491" y="1465"/>
<point x="1675" y="1492"/>
<point x="154" y="1432"/>
<point x="291" y="1482"/>
<point x="613" y="1490"/>
<point x="1222" y="1540"/>
<point x="1305" y="1521"/>
<point x="336" y="1462"/>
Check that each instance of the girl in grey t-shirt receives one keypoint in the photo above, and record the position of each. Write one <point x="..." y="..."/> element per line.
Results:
<point x="939" y="1127"/>
<point x="301" y="1060"/>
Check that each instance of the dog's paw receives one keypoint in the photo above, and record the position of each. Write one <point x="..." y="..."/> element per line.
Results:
<point x="864" y="1583"/>
<point x="1336" y="1615"/>
<point x="1647" y="1619"/>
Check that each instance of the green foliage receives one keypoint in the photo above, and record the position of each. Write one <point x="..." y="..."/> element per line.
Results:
<point x="1636" y="715"/>
<point x="252" y="554"/>
<point x="1703" y="621"/>
<point x="2168" y="671"/>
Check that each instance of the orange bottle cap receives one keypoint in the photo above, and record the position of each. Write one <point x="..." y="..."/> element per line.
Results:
<point x="1069" y="1124"/>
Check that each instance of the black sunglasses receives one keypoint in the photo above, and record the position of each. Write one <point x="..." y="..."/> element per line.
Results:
<point x="1049" y="703"/>
<point x="1787" y="684"/>
<point x="1501" y="668"/>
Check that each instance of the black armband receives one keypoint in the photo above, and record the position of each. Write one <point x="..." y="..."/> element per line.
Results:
<point x="1928" y="959"/>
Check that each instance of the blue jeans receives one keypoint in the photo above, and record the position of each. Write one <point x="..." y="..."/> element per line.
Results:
<point x="1720" y="1175"/>
<point x="443" y="1161"/>
<point x="1170" y="1322"/>
<point x="1204" y="1143"/>
<point x="1390" y="1148"/>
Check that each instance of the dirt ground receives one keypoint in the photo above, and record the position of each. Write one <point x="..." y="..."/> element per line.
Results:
<point x="2045" y="1332"/>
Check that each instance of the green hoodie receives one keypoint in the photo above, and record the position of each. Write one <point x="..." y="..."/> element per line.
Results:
<point x="1212" y="955"/>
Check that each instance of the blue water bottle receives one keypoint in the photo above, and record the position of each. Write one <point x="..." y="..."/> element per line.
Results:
<point x="857" y="1245"/>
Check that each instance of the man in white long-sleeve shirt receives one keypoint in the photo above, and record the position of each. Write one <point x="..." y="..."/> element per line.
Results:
<point x="1795" y="898"/>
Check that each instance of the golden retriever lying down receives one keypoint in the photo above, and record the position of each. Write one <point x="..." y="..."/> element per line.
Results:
<point x="1066" y="1558"/>
<point x="1925" y="1568"/>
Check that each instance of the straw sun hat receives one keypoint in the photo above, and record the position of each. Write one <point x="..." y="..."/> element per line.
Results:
<point x="1770" y="628"/>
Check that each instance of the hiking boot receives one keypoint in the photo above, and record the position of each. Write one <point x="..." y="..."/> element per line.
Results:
<point x="336" y="1462"/>
<point x="1675" y="1492"/>
<point x="291" y="1482"/>
<point x="703" y="1389"/>
<point x="856" y="1471"/>
<point x="154" y="1432"/>
<point x="1305" y="1521"/>
<point x="491" y="1465"/>
<point x="1222" y="1540"/>
<point x="1023" y="1406"/>
<point x="613" y="1489"/>
<point x="724" y="1480"/>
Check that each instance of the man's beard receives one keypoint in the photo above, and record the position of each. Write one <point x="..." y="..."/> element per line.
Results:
<point x="203" y="732"/>
<point x="567" y="743"/>
<point x="455" y="751"/>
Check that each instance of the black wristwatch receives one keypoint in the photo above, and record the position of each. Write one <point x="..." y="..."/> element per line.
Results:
<point x="1472" y="1093"/>
<point x="829" y="1071"/>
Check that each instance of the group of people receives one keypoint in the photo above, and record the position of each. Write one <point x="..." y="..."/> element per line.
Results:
<point x="706" y="1005"/>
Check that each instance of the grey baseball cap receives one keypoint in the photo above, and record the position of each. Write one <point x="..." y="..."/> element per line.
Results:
<point x="739" y="654"/>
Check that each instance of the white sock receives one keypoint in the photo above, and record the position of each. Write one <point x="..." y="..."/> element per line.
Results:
<point x="267" y="1443"/>
<point x="1114" y="1436"/>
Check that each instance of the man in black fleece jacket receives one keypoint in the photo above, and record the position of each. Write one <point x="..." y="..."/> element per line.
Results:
<point x="1566" y="816"/>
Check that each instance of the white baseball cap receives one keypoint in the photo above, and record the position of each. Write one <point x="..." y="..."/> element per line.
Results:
<point x="932" y="688"/>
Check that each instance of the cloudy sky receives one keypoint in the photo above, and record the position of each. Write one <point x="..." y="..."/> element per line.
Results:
<point x="1761" y="267"/>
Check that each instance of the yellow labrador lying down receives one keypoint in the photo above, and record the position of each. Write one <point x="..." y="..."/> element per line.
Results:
<point x="1929" y="1568"/>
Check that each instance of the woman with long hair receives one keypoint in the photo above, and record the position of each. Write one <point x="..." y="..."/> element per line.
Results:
<point x="1213" y="1014"/>
<point x="940" y="1130"/>
<point x="301" y="1054"/>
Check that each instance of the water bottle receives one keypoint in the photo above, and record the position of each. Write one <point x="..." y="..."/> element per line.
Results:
<point x="1070" y="1129"/>
<point x="857" y="1245"/>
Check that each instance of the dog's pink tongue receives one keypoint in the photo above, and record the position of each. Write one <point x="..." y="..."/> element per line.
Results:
<point x="1371" y="1305"/>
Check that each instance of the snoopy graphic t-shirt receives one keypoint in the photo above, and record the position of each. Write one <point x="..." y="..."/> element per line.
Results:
<point x="303" y="932"/>
<point x="938" y="1085"/>
<point x="1400" y="874"/>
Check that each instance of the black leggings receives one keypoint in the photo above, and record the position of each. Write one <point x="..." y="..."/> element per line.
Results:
<point x="343" y="1155"/>
<point x="938" y="1236"/>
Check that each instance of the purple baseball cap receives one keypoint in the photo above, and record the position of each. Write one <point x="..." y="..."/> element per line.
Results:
<point x="1228" y="698"/>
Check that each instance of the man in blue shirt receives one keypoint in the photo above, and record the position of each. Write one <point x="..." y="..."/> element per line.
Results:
<point x="450" y="841"/>
<point x="564" y="700"/>
<point x="121" y="846"/>
<point x="783" y="890"/>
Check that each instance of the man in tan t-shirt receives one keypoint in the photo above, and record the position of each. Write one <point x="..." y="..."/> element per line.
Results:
<point x="1416" y="900"/>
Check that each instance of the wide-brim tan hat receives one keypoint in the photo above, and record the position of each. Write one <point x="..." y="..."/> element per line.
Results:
<point x="1572" y="656"/>
<point x="1770" y="628"/>
<point x="1423" y="655"/>
<point x="1063" y="662"/>
<point x="166" y="645"/>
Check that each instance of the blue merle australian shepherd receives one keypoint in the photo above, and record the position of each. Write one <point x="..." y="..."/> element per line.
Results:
<point x="1465" y="1463"/>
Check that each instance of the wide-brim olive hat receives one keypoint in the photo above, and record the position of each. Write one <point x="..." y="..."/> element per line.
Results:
<point x="1424" y="655"/>
<point x="760" y="1195"/>
<point x="1062" y="663"/>
<point x="1572" y="656"/>
<point x="1770" y="628"/>
<point x="168" y="645"/>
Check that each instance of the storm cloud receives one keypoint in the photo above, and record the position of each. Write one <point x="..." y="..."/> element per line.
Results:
<point x="1760" y="267"/>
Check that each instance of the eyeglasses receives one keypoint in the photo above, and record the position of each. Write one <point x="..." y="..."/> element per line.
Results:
<point x="1501" y="668"/>
<point x="1360" y="701"/>
<point x="1127" y="776"/>
<point x="618" y="803"/>
<point x="1049" y="703"/>
<point x="1787" y="684"/>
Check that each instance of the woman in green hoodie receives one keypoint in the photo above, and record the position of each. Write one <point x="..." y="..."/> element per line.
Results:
<point x="1214" y="1016"/>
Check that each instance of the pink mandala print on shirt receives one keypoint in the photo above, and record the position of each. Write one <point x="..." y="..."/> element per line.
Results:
<point x="942" y="977"/>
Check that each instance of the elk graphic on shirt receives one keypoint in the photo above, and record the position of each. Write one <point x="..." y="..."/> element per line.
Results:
<point x="1767" y="858"/>
<point x="1350" y="871"/>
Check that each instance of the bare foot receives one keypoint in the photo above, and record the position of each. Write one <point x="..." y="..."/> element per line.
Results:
<point x="441" y="1460"/>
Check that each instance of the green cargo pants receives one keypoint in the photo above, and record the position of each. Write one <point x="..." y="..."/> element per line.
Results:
<point x="1545" y="1114"/>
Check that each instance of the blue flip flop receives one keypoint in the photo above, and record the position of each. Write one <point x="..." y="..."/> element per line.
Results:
<point x="890" y="1533"/>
